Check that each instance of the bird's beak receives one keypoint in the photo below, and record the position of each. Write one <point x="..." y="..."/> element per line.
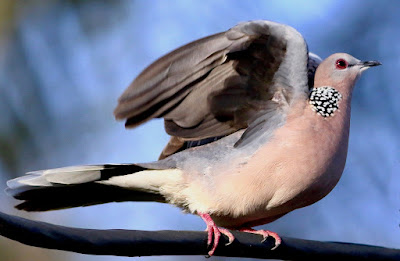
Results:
<point x="369" y="64"/>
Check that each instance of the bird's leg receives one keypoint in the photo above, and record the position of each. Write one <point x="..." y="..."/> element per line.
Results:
<point x="265" y="234"/>
<point x="214" y="233"/>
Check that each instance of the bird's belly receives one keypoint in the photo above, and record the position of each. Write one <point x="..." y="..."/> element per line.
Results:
<point x="256" y="203"/>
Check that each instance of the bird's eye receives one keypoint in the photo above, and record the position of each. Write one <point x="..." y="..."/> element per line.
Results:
<point x="341" y="64"/>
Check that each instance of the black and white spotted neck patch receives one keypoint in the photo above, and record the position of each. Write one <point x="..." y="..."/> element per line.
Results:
<point x="325" y="100"/>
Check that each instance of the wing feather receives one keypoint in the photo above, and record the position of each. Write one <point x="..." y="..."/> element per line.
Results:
<point x="220" y="84"/>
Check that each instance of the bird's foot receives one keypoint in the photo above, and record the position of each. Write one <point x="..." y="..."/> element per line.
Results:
<point x="265" y="234"/>
<point x="214" y="233"/>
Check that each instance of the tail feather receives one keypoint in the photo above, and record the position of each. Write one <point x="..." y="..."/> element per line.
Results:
<point x="75" y="186"/>
<point x="68" y="175"/>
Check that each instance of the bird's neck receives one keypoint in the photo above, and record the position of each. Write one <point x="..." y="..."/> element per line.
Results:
<point x="334" y="126"/>
<point x="325" y="100"/>
<point x="332" y="104"/>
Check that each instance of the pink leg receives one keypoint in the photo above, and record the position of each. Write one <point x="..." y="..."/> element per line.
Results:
<point x="214" y="233"/>
<point x="265" y="234"/>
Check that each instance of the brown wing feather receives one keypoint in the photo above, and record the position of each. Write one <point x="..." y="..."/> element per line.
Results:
<point x="219" y="84"/>
<point x="165" y="82"/>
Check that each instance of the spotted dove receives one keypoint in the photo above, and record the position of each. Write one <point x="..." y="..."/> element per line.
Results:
<point x="259" y="127"/>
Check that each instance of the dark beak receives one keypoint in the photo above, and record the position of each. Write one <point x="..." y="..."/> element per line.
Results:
<point x="369" y="63"/>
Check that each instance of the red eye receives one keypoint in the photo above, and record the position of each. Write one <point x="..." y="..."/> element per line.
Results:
<point x="341" y="64"/>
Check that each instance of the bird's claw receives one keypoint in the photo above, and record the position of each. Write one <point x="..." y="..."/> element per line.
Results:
<point x="265" y="234"/>
<point x="227" y="233"/>
<point x="214" y="234"/>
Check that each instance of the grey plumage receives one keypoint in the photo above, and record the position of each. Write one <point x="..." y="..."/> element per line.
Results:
<point x="312" y="65"/>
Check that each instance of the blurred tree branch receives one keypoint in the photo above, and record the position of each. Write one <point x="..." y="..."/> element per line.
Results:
<point x="148" y="243"/>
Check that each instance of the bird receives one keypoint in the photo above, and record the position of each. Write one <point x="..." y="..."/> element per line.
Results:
<point x="258" y="125"/>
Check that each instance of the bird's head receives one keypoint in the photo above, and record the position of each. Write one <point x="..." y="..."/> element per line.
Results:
<point x="341" y="71"/>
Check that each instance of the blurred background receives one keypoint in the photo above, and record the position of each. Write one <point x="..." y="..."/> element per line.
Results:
<point x="63" y="65"/>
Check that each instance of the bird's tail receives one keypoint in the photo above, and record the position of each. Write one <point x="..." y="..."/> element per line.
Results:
<point x="87" y="185"/>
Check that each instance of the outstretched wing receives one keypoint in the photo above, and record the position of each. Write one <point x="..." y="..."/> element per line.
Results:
<point x="217" y="85"/>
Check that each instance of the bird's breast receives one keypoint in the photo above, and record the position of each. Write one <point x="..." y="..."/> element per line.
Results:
<point x="315" y="150"/>
<point x="301" y="164"/>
